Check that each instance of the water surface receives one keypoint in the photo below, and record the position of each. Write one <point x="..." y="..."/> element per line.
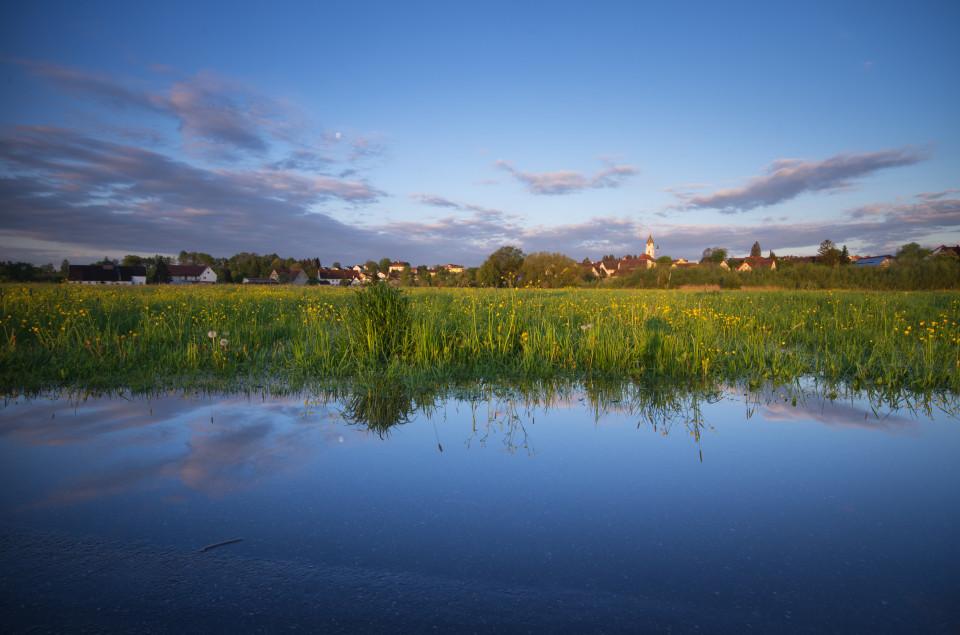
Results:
<point x="487" y="509"/>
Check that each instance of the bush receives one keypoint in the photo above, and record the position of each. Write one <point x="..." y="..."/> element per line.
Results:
<point x="379" y="319"/>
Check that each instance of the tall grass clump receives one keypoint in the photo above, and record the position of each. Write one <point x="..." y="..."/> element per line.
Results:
<point x="378" y="322"/>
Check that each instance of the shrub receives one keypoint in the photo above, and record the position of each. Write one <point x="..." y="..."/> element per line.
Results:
<point x="379" y="320"/>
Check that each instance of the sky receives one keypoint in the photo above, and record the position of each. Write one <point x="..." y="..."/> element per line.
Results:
<point x="437" y="132"/>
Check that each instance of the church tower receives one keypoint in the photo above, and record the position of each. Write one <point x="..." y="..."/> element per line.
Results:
<point x="651" y="249"/>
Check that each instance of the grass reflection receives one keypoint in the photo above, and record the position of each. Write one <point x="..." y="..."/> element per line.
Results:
<point x="389" y="404"/>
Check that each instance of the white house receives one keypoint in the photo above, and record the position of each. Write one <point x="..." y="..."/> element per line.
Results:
<point x="191" y="274"/>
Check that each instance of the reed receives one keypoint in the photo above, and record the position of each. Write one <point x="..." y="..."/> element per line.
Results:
<point x="160" y="336"/>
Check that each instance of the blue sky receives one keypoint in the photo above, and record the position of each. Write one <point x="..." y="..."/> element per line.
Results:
<point x="438" y="132"/>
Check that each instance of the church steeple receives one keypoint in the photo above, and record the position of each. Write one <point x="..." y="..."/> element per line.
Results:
<point x="651" y="248"/>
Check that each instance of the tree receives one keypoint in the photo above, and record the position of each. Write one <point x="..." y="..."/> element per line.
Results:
<point x="664" y="260"/>
<point x="755" y="250"/>
<point x="714" y="254"/>
<point x="133" y="260"/>
<point x="549" y="270"/>
<point x="911" y="253"/>
<point x="384" y="266"/>
<point x="160" y="273"/>
<point x="501" y="268"/>
<point x="828" y="254"/>
<point x="336" y="264"/>
<point x="771" y="255"/>
<point x="406" y="276"/>
<point x="17" y="272"/>
<point x="65" y="267"/>
<point x="844" y="256"/>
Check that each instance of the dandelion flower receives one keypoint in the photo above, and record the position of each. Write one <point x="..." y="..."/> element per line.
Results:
<point x="223" y="342"/>
<point x="211" y="334"/>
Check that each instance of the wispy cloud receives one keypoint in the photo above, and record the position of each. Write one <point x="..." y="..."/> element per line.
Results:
<point x="434" y="200"/>
<point x="219" y="118"/>
<point x="101" y="88"/>
<point x="569" y="181"/>
<point x="789" y="178"/>
<point x="932" y="196"/>
<point x="62" y="185"/>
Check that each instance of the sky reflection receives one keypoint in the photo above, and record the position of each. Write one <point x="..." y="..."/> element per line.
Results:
<point x="600" y="502"/>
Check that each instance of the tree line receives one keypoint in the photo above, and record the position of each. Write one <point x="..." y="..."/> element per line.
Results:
<point x="509" y="267"/>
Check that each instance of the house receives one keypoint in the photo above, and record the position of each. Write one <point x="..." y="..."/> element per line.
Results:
<point x="296" y="277"/>
<point x="590" y="269"/>
<point x="944" y="250"/>
<point x="107" y="274"/>
<point x="627" y="265"/>
<point x="722" y="264"/>
<point x="336" y="276"/>
<point x="191" y="274"/>
<point x="753" y="262"/>
<point x="454" y="268"/>
<point x="397" y="266"/>
<point x="874" y="261"/>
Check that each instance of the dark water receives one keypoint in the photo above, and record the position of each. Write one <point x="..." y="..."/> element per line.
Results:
<point x="586" y="510"/>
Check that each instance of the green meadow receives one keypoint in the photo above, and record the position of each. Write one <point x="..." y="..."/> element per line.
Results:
<point x="233" y="337"/>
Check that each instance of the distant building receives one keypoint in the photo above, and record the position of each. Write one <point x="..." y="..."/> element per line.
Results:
<point x="944" y="250"/>
<point x="753" y="262"/>
<point x="297" y="277"/>
<point x="336" y="276"/>
<point x="107" y="274"/>
<point x="875" y="261"/>
<point x="191" y="274"/>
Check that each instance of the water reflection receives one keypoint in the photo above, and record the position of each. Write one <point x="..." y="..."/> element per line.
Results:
<point x="218" y="445"/>
<point x="604" y="503"/>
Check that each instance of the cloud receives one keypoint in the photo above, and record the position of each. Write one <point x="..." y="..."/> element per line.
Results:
<point x="435" y="201"/>
<point x="439" y="201"/>
<point x="98" y="87"/>
<point x="935" y="195"/>
<point x="303" y="161"/>
<point x="875" y="229"/>
<point x="789" y="178"/>
<point x="64" y="186"/>
<point x="568" y="181"/>
<point x="218" y="118"/>
<point x="685" y="187"/>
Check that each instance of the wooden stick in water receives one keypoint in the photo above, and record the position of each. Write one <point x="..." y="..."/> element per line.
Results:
<point x="220" y="544"/>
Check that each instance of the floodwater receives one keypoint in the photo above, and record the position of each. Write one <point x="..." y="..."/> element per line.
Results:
<point x="485" y="509"/>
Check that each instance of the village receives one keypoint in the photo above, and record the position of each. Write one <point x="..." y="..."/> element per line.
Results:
<point x="608" y="267"/>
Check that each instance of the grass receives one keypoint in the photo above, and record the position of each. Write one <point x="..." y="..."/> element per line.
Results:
<point x="148" y="337"/>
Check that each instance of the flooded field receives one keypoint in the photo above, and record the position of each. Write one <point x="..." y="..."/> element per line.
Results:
<point x="587" y="508"/>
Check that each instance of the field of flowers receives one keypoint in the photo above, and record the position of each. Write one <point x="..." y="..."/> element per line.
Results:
<point x="242" y="337"/>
